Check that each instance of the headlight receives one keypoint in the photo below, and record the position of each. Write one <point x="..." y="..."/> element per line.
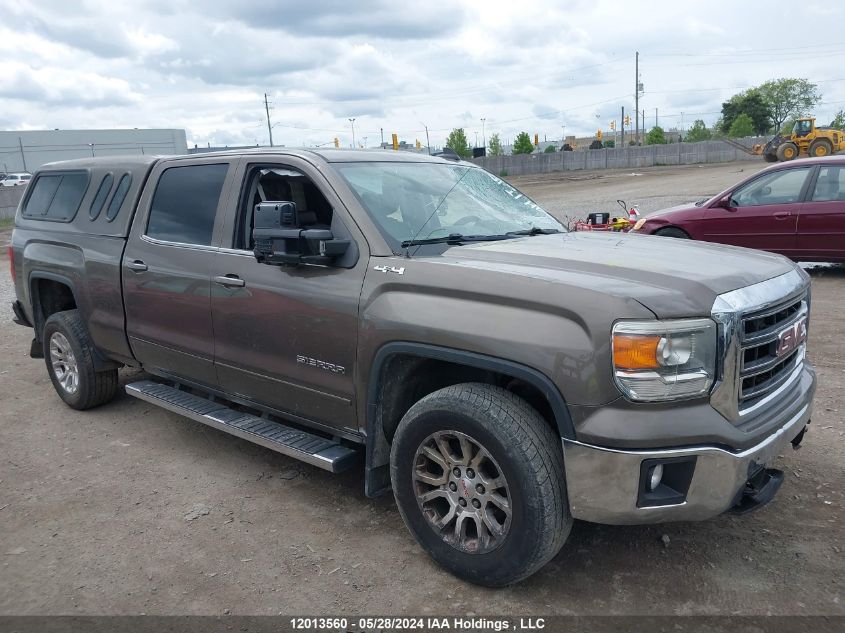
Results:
<point x="639" y="224"/>
<point x="664" y="360"/>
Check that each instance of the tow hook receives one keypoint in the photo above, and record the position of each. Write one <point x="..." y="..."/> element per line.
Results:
<point x="796" y="441"/>
<point x="760" y="488"/>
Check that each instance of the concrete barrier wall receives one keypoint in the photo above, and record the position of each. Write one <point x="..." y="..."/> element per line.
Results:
<point x="9" y="198"/>
<point x="615" y="158"/>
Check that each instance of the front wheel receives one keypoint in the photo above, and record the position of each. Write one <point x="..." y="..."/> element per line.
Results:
<point x="478" y="477"/>
<point x="673" y="232"/>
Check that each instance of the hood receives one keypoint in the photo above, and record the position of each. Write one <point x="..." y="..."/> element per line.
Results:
<point x="690" y="206"/>
<point x="672" y="278"/>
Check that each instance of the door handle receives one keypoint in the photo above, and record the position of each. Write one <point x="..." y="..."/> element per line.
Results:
<point x="230" y="281"/>
<point x="136" y="266"/>
<point x="780" y="215"/>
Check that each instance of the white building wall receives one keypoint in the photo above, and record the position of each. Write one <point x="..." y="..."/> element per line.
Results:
<point x="28" y="150"/>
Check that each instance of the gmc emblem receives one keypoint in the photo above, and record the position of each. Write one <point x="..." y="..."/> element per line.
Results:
<point x="790" y="338"/>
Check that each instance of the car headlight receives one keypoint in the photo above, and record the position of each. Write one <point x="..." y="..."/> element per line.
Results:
<point x="664" y="360"/>
<point x="639" y="224"/>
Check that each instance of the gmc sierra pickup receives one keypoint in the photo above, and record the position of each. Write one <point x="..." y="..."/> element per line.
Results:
<point x="501" y="375"/>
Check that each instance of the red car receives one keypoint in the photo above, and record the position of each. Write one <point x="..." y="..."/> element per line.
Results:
<point x="796" y="209"/>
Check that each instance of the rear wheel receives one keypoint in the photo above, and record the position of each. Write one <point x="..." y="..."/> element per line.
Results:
<point x="478" y="477"/>
<point x="770" y="158"/>
<point x="69" y="354"/>
<point x="673" y="231"/>
<point x="787" y="151"/>
<point x="820" y="147"/>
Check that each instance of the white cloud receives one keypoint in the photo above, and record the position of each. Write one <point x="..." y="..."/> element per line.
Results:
<point x="533" y="65"/>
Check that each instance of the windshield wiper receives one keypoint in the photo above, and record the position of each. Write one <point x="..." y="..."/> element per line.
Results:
<point x="454" y="238"/>
<point x="534" y="231"/>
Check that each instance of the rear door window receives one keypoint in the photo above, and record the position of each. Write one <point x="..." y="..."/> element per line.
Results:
<point x="185" y="202"/>
<point x="56" y="196"/>
<point x="830" y="185"/>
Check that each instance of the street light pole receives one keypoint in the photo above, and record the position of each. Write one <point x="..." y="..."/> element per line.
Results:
<point x="352" y="121"/>
<point x="483" y="134"/>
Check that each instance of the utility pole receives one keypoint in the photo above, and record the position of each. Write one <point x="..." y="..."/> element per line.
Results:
<point x="23" y="158"/>
<point x="622" y="125"/>
<point x="655" y="118"/>
<point x="269" y="127"/>
<point x="381" y="129"/>
<point x="427" y="142"/>
<point x="483" y="134"/>
<point x="637" y="97"/>
<point x="352" y="121"/>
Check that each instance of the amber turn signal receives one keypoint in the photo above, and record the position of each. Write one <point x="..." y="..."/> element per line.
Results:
<point x="635" y="351"/>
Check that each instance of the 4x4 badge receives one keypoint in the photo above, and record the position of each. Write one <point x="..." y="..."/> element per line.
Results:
<point x="390" y="269"/>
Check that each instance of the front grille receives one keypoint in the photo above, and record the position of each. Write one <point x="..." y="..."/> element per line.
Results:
<point x="761" y="369"/>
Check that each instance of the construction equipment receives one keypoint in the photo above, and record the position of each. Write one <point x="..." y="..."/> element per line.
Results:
<point x="805" y="140"/>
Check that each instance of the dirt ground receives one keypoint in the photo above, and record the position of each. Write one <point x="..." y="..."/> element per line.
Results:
<point x="128" y="509"/>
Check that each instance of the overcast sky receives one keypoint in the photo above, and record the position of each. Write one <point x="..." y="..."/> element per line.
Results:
<point x="397" y="65"/>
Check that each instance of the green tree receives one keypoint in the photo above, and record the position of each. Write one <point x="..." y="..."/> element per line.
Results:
<point x="655" y="136"/>
<point x="698" y="132"/>
<point x="550" y="149"/>
<point x="839" y="120"/>
<point x="787" y="98"/>
<point x="752" y="103"/>
<point x="742" y="126"/>
<point x="610" y="144"/>
<point x="523" y="144"/>
<point x="495" y="145"/>
<point x="457" y="140"/>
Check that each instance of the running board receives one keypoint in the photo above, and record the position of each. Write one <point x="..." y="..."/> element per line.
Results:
<point x="307" y="447"/>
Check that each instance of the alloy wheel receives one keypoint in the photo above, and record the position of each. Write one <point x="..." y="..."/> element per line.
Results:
<point x="462" y="492"/>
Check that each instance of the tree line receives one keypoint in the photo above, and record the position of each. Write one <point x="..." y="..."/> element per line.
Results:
<point x="769" y="108"/>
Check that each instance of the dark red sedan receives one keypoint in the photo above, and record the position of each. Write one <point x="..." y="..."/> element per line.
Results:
<point x="796" y="209"/>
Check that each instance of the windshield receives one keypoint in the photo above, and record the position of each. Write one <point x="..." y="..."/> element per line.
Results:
<point x="417" y="201"/>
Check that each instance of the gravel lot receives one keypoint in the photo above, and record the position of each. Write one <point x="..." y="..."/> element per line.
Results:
<point x="128" y="509"/>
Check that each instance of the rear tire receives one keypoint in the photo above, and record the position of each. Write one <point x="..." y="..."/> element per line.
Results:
<point x="770" y="158"/>
<point x="69" y="354"/>
<point x="787" y="151"/>
<point x="820" y="147"/>
<point x="485" y="464"/>
<point x="673" y="231"/>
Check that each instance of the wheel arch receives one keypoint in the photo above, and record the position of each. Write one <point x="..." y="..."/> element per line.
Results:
<point x="51" y="293"/>
<point x="57" y="295"/>
<point x="386" y="402"/>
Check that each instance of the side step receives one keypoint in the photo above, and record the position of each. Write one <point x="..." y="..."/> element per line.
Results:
<point x="307" y="447"/>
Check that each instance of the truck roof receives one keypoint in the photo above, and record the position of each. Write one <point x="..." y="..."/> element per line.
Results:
<point x="145" y="161"/>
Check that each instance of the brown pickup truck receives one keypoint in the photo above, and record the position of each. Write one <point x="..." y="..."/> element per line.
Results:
<point x="501" y="375"/>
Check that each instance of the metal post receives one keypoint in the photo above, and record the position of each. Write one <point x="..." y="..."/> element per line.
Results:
<point x="23" y="157"/>
<point x="427" y="142"/>
<point x="483" y="134"/>
<point x="352" y="121"/>
<point x="381" y="130"/>
<point x="269" y="127"/>
<point x="637" y="97"/>
<point x="622" y="125"/>
<point x="91" y="145"/>
<point x="655" y="118"/>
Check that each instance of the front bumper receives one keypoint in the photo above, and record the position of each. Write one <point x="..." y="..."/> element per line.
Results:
<point x="604" y="484"/>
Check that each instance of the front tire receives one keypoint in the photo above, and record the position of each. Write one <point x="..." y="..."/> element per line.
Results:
<point x="478" y="477"/>
<point x="69" y="354"/>
<point x="673" y="232"/>
<point x="787" y="151"/>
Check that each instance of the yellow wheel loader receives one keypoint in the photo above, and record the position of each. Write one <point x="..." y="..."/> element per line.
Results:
<point x="805" y="140"/>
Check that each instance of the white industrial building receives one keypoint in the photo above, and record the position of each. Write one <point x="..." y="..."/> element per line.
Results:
<point x="27" y="150"/>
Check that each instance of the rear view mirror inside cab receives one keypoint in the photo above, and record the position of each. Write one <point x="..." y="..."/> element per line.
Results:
<point x="280" y="239"/>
